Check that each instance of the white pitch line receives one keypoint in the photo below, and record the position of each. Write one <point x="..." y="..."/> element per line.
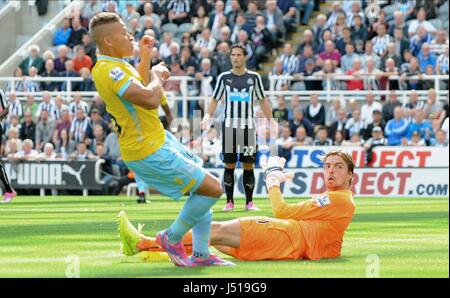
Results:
<point x="395" y="240"/>
<point x="53" y="260"/>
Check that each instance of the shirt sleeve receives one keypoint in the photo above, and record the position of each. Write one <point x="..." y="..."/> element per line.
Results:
<point x="259" y="88"/>
<point x="119" y="80"/>
<point x="219" y="90"/>
<point x="324" y="207"/>
<point x="163" y="99"/>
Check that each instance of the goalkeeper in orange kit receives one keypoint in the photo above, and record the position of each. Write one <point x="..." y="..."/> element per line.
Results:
<point x="312" y="229"/>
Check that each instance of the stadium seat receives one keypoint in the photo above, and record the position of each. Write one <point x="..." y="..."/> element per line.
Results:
<point x="186" y="27"/>
<point x="169" y="27"/>
<point x="132" y="189"/>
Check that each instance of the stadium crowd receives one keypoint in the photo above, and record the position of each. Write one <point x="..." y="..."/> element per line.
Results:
<point x="381" y="51"/>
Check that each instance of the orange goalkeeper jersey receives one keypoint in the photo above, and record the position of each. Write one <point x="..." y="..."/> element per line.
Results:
<point x="323" y="220"/>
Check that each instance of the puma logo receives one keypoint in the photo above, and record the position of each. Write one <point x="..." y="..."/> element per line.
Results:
<point x="67" y="169"/>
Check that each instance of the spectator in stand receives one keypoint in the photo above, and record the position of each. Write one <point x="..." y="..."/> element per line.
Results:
<point x="337" y="29"/>
<point x="97" y="137"/>
<point x="18" y="85"/>
<point x="301" y="138"/>
<point x="336" y="11"/>
<point x="87" y="84"/>
<point x="331" y="114"/>
<point x="380" y="21"/>
<point x="285" y="143"/>
<point x="376" y="139"/>
<point x="439" y="43"/>
<point x="252" y="13"/>
<point x="391" y="54"/>
<point x="330" y="53"/>
<point x="69" y="73"/>
<point x="389" y="106"/>
<point x="418" y="40"/>
<point x="77" y="33"/>
<point x="261" y="40"/>
<point x="401" y="44"/>
<point x="295" y="104"/>
<point x="148" y="25"/>
<point x="63" y="124"/>
<point x="357" y="83"/>
<point x="355" y="124"/>
<point x="173" y="85"/>
<point x="426" y="58"/>
<point x="248" y="45"/>
<point x="274" y="21"/>
<point x="64" y="145"/>
<point x="422" y="126"/>
<point x="30" y="106"/>
<point x="290" y="61"/>
<point x="355" y="12"/>
<point x="307" y="54"/>
<point x="377" y="122"/>
<point x="289" y="10"/>
<point x="82" y="153"/>
<point x="89" y="47"/>
<point x="369" y="54"/>
<point x="328" y="74"/>
<point x="315" y="111"/>
<point x="321" y="138"/>
<point x="368" y="108"/>
<point x="148" y="12"/>
<point x="389" y="76"/>
<point x="442" y="67"/>
<point x="48" y="153"/>
<point x="381" y="41"/>
<point x="81" y="59"/>
<point x="217" y="13"/>
<point x="241" y="24"/>
<point x="33" y="60"/>
<point x="164" y="49"/>
<point x="49" y="72"/>
<point x="433" y="108"/>
<point x="129" y="13"/>
<point x="45" y="129"/>
<point x="15" y="125"/>
<point x="60" y="61"/>
<point x="233" y="12"/>
<point x="200" y="21"/>
<point x="319" y="28"/>
<point x="79" y="127"/>
<point x="306" y="8"/>
<point x="326" y="36"/>
<point x="78" y="103"/>
<point x="92" y="8"/>
<point x="62" y="35"/>
<point x="280" y="112"/>
<point x="100" y="106"/>
<point x="344" y="40"/>
<point x="14" y="106"/>
<point x="300" y="120"/>
<point x="421" y="21"/>
<point x="372" y="76"/>
<point x="412" y="70"/>
<point x="359" y="31"/>
<point x="398" y="24"/>
<point x="416" y="140"/>
<point x="413" y="102"/>
<point x="355" y="141"/>
<point x="347" y="61"/>
<point x="30" y="85"/>
<point x="178" y="11"/>
<point x="205" y="40"/>
<point x="27" y="152"/>
<point x="339" y="138"/>
<point x="397" y="128"/>
<point x="46" y="104"/>
<point x="135" y="28"/>
<point x="440" y="140"/>
<point x="277" y="70"/>
<point x="308" y="40"/>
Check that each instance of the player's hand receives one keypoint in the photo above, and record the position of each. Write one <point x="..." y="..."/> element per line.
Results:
<point x="206" y="122"/>
<point x="273" y="172"/>
<point x="146" y="45"/>
<point x="161" y="71"/>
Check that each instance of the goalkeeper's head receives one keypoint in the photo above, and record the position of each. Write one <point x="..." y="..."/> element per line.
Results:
<point x="338" y="169"/>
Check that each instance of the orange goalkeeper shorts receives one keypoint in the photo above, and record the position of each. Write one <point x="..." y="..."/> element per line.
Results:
<point x="266" y="238"/>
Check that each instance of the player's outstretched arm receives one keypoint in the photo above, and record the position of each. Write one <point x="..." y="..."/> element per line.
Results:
<point x="274" y="176"/>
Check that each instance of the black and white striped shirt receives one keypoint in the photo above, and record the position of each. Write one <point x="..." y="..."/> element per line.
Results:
<point x="79" y="128"/>
<point x="179" y="6"/>
<point x="239" y="93"/>
<point x="3" y="101"/>
<point x="49" y="107"/>
<point x="15" y="108"/>
<point x="74" y="106"/>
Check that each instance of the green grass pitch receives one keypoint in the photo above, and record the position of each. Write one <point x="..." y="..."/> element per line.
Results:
<point x="408" y="236"/>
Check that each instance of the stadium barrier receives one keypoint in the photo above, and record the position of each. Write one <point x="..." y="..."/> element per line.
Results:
<point x="368" y="182"/>
<point x="58" y="174"/>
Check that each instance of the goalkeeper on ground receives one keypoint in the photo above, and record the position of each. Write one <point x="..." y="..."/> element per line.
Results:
<point x="312" y="230"/>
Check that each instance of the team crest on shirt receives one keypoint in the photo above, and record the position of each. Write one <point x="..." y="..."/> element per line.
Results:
<point x="116" y="74"/>
<point x="250" y="81"/>
<point x="322" y="201"/>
